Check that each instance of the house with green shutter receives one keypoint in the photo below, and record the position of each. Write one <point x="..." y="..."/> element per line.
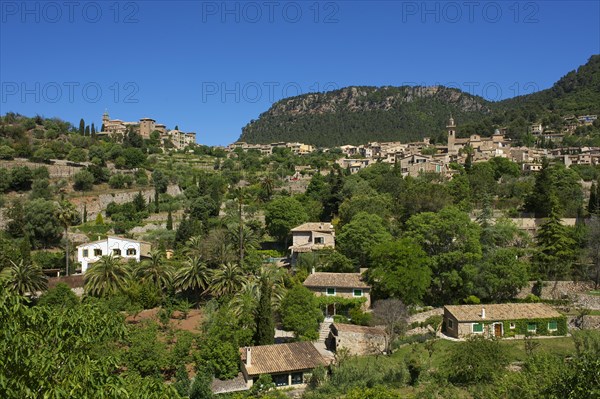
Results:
<point x="503" y="320"/>
<point x="338" y="289"/>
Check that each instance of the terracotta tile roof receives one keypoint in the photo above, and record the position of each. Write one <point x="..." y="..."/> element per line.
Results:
<point x="333" y="280"/>
<point x="502" y="311"/>
<point x="351" y="328"/>
<point x="224" y="386"/>
<point x="318" y="226"/>
<point x="280" y="358"/>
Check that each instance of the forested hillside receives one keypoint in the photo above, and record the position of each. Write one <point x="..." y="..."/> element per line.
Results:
<point x="355" y="115"/>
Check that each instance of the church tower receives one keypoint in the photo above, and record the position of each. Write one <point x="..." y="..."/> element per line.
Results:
<point x="451" y="135"/>
<point x="105" y="119"/>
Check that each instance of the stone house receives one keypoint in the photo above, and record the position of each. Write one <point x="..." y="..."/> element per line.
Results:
<point x="358" y="340"/>
<point x="116" y="246"/>
<point x="503" y="320"/>
<point x="338" y="285"/>
<point x="290" y="365"/>
<point x="310" y="237"/>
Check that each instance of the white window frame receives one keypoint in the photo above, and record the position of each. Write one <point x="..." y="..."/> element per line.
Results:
<point x="476" y="324"/>
<point x="512" y="325"/>
<point x="327" y="291"/>
<point x="534" y="330"/>
<point x="450" y="324"/>
<point x="553" y="329"/>
<point x="86" y="253"/>
<point x="354" y="293"/>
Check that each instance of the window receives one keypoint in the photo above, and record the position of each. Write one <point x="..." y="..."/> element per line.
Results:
<point x="450" y="324"/>
<point x="86" y="253"/>
<point x="297" y="378"/>
<point x="319" y="240"/>
<point x="512" y="325"/>
<point x="357" y="293"/>
<point x="280" y="380"/>
<point x="330" y="291"/>
<point x="477" y="327"/>
<point x="531" y="327"/>
<point x="116" y="252"/>
<point x="131" y="251"/>
<point x="552" y="325"/>
<point x="97" y="252"/>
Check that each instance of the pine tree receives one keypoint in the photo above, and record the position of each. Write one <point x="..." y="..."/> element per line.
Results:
<point x="556" y="247"/>
<point x="169" y="221"/>
<point x="265" y="325"/>
<point x="539" y="201"/>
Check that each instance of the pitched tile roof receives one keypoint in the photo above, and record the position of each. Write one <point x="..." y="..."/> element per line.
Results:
<point x="352" y="328"/>
<point x="318" y="226"/>
<point x="280" y="358"/>
<point x="236" y="384"/>
<point x="341" y="280"/>
<point x="502" y="311"/>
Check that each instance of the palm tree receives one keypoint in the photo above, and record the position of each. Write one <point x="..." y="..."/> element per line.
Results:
<point x="23" y="278"/>
<point x="244" y="238"/>
<point x="245" y="301"/>
<point x="66" y="215"/>
<point x="267" y="185"/>
<point x="276" y="277"/>
<point x="156" y="271"/>
<point x="107" y="276"/>
<point x="193" y="276"/>
<point x="228" y="279"/>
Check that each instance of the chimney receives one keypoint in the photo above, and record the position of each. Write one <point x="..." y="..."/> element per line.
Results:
<point x="482" y="312"/>
<point x="248" y="356"/>
<point x="313" y="270"/>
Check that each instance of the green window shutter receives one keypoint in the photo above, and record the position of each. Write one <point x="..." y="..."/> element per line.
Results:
<point x="477" y="327"/>
<point x="553" y="325"/>
<point x="358" y="293"/>
<point x="531" y="327"/>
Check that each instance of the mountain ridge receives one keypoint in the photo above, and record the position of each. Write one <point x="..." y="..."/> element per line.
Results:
<point x="358" y="114"/>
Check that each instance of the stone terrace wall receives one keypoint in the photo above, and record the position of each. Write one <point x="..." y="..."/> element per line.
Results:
<point x="557" y="289"/>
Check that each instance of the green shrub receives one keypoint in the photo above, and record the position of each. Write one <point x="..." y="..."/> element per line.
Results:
<point x="48" y="260"/>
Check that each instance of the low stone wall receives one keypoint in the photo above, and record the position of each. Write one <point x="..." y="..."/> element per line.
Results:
<point x="75" y="281"/>
<point x="591" y="322"/>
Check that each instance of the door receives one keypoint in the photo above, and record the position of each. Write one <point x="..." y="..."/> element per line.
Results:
<point x="330" y="310"/>
<point x="498" y="330"/>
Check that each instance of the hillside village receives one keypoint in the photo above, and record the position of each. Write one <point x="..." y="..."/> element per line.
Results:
<point x="276" y="270"/>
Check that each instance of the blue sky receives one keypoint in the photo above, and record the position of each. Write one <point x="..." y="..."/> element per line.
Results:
<point x="211" y="66"/>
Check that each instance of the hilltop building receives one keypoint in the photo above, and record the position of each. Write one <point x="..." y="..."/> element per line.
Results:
<point x="144" y="127"/>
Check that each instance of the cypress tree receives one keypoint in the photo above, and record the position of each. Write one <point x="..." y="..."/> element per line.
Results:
<point x="265" y="327"/>
<point x="93" y="130"/>
<point x="156" y="201"/>
<point x="169" y="221"/>
<point x="81" y="126"/>
<point x="593" y="204"/>
<point x="87" y="130"/>
<point x="84" y="213"/>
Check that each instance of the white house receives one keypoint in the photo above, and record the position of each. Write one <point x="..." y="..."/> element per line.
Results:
<point x="116" y="246"/>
